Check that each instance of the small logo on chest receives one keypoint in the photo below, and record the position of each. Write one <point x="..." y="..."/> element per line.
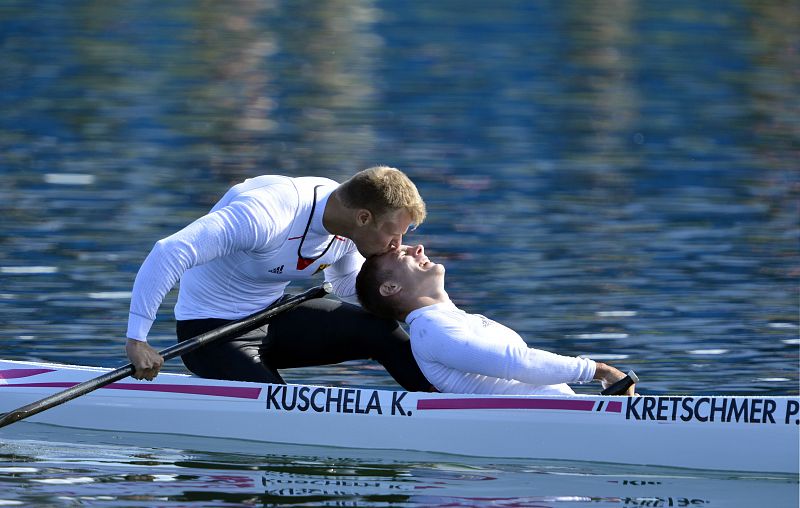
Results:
<point x="277" y="269"/>
<point x="322" y="266"/>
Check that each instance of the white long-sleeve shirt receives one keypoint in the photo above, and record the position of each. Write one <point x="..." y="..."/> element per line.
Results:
<point x="240" y="257"/>
<point x="469" y="353"/>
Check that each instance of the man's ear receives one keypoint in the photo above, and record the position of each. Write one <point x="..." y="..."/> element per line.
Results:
<point x="363" y="216"/>
<point x="389" y="288"/>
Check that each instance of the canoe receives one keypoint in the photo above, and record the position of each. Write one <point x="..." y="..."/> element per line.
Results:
<point x="714" y="432"/>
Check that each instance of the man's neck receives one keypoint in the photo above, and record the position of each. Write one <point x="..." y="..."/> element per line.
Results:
<point x="431" y="299"/>
<point x="426" y="301"/>
<point x="335" y="217"/>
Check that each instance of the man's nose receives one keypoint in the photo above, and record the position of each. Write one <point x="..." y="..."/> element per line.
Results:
<point x="419" y="250"/>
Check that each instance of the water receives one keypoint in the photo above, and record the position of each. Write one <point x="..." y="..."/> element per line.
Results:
<point x="612" y="179"/>
<point x="99" y="469"/>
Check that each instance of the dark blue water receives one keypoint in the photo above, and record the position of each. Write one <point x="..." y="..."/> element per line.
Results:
<point x="612" y="179"/>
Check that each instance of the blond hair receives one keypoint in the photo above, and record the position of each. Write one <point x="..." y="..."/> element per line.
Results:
<point x="381" y="189"/>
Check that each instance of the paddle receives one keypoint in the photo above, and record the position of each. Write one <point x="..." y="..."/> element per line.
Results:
<point x="621" y="386"/>
<point x="233" y="328"/>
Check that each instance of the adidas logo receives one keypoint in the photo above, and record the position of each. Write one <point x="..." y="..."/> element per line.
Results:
<point x="277" y="270"/>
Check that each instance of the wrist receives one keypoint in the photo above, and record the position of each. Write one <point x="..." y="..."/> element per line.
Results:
<point x="600" y="371"/>
<point x="135" y="343"/>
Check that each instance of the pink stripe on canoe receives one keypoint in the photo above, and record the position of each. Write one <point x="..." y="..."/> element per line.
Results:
<point x="18" y="373"/>
<point x="614" y="407"/>
<point x="506" y="403"/>
<point x="217" y="391"/>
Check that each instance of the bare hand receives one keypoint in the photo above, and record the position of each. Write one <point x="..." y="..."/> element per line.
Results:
<point x="608" y="375"/>
<point x="144" y="358"/>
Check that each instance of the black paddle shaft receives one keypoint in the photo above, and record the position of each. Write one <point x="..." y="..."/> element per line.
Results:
<point x="233" y="328"/>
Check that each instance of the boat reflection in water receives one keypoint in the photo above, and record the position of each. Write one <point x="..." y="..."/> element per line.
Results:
<point x="101" y="465"/>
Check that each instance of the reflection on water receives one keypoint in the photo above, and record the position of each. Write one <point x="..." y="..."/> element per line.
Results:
<point x="161" y="470"/>
<point x="610" y="179"/>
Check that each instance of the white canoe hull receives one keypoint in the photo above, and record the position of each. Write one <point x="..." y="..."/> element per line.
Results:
<point x="759" y="434"/>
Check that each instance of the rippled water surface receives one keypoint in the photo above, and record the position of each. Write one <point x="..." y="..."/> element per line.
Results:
<point x="98" y="469"/>
<point x="612" y="179"/>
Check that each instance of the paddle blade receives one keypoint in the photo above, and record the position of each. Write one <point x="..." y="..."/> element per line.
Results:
<point x="65" y="395"/>
<point x="233" y="328"/>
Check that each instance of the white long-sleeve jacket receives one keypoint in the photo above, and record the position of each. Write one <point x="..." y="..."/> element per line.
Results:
<point x="240" y="257"/>
<point x="469" y="353"/>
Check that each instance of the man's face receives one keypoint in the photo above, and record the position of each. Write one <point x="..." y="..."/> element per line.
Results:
<point x="382" y="234"/>
<point x="412" y="269"/>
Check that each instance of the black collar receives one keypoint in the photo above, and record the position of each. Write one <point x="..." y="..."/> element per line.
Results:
<point x="302" y="261"/>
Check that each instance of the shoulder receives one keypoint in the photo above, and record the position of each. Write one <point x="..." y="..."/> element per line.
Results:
<point x="442" y="312"/>
<point x="436" y="322"/>
<point x="314" y="181"/>
<point x="278" y="194"/>
<point x="284" y="191"/>
<point x="279" y="184"/>
<point x="267" y="190"/>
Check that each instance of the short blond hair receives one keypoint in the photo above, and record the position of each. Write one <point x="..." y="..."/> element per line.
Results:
<point x="382" y="189"/>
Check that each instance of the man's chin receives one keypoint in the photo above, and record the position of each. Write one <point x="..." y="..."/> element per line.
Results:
<point x="370" y="252"/>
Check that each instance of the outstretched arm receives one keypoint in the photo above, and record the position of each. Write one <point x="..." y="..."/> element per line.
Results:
<point x="497" y="351"/>
<point x="242" y="225"/>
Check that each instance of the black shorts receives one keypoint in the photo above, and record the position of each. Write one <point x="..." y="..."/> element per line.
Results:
<point x="321" y="331"/>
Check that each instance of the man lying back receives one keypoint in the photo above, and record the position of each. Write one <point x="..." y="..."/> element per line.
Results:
<point x="460" y="352"/>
